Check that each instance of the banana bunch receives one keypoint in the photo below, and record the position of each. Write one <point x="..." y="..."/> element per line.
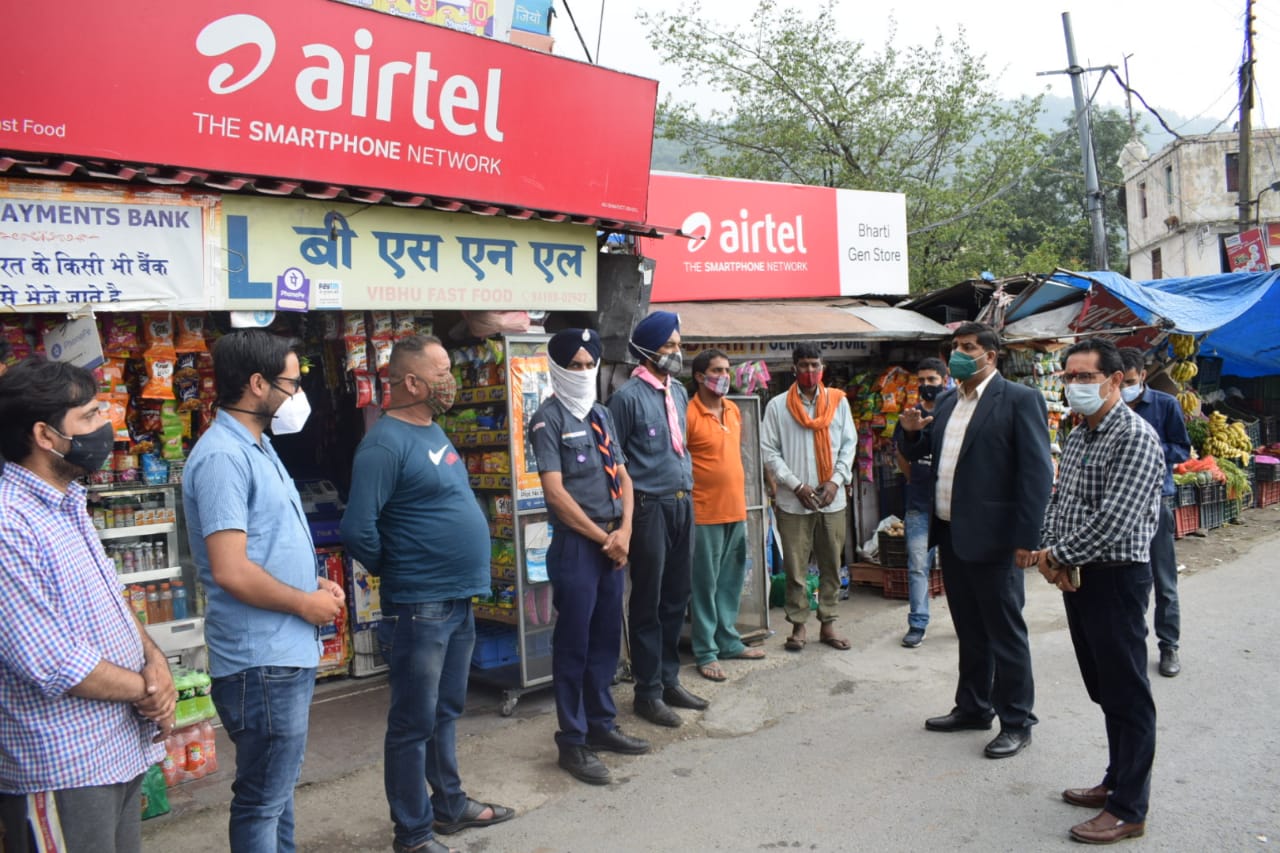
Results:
<point x="1227" y="441"/>
<point x="1183" y="371"/>
<point x="1184" y="346"/>
<point x="1190" y="403"/>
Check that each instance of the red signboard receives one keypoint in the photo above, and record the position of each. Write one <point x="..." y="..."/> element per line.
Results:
<point x="325" y="92"/>
<point x="1246" y="251"/>
<point x="757" y="240"/>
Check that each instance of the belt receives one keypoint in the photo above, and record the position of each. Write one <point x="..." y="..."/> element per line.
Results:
<point x="1109" y="564"/>
<point x="678" y="495"/>
<point x="609" y="526"/>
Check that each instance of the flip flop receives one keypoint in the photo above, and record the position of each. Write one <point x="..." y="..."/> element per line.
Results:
<point x="471" y="818"/>
<point x="749" y="653"/>
<point x="835" y="642"/>
<point x="712" y="671"/>
<point x="794" y="643"/>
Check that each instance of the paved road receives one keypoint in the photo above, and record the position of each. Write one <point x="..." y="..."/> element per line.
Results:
<point x="825" y="751"/>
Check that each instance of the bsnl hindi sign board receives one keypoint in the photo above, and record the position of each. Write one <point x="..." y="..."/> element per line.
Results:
<point x="758" y="240"/>
<point x="326" y="92"/>
<point x="310" y="255"/>
<point x="72" y="248"/>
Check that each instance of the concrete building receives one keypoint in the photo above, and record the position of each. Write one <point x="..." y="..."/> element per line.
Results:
<point x="1181" y="202"/>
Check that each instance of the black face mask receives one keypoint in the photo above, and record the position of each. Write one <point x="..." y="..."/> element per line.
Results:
<point x="929" y="393"/>
<point x="89" y="451"/>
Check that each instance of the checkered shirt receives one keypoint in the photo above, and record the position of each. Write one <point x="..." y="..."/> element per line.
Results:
<point x="1105" y="506"/>
<point x="63" y="612"/>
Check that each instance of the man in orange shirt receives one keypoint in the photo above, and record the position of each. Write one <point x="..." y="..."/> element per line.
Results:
<point x="714" y="427"/>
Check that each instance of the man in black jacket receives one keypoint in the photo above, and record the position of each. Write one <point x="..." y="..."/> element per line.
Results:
<point x="993" y="476"/>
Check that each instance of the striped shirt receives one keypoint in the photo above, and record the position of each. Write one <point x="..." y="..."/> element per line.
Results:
<point x="952" y="441"/>
<point x="63" y="612"/>
<point x="1105" y="505"/>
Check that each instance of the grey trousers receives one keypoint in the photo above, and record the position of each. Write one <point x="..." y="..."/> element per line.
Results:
<point x="96" y="819"/>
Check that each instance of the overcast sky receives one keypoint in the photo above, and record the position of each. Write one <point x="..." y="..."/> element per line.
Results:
<point x="1184" y="54"/>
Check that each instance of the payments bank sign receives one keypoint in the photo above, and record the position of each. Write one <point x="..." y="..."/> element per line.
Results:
<point x="758" y="240"/>
<point x="319" y="91"/>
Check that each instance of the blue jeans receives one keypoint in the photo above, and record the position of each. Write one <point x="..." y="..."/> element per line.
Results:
<point x="427" y="648"/>
<point x="920" y="560"/>
<point x="266" y="711"/>
<point x="1164" y="568"/>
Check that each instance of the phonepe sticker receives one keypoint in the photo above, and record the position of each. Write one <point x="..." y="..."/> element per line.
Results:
<point x="293" y="290"/>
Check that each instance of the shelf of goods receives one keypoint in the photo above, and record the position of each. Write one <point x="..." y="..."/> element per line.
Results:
<point x="140" y="527"/>
<point x="501" y="384"/>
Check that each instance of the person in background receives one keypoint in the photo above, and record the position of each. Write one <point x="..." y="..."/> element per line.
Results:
<point x="932" y="376"/>
<point x="649" y="414"/>
<point x="1162" y="411"/>
<point x="590" y="504"/>
<point x="1097" y="535"/>
<point x="252" y="546"/>
<point x="413" y="521"/>
<point x="719" y="515"/>
<point x="86" y="694"/>
<point x="989" y="443"/>
<point x="808" y="441"/>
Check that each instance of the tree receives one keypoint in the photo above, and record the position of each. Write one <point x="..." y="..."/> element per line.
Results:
<point x="811" y="107"/>
<point x="1048" y="209"/>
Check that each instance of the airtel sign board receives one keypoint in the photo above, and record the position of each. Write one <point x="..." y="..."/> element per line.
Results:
<point x="325" y="92"/>
<point x="757" y="240"/>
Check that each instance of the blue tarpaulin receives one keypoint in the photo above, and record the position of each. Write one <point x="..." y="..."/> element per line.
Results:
<point x="1240" y="312"/>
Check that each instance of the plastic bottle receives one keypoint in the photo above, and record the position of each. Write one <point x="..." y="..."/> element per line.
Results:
<point x="175" y="759"/>
<point x="179" y="600"/>
<point x="185" y="713"/>
<point x="160" y="555"/>
<point x="153" y="604"/>
<point x="203" y="687"/>
<point x="194" y="744"/>
<point x="210" y="740"/>
<point x="166" y="603"/>
<point x="138" y="601"/>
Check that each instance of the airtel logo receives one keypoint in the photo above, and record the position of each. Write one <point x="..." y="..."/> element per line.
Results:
<point x="328" y="84"/>
<point x="745" y="235"/>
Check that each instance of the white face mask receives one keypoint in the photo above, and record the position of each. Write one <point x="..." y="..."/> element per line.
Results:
<point x="1129" y="393"/>
<point x="292" y="415"/>
<point x="1085" y="399"/>
<point x="575" y="388"/>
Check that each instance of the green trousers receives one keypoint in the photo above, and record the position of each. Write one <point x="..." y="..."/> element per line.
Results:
<point x="719" y="567"/>
<point x="821" y="534"/>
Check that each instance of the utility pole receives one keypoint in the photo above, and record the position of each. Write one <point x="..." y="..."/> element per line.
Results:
<point x="1244" y="167"/>
<point x="1093" y="198"/>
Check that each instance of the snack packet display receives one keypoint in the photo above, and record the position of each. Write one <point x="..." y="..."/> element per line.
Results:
<point x="190" y="337"/>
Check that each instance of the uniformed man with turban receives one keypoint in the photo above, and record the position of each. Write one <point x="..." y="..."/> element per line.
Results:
<point x="589" y="501"/>
<point x="649" y="411"/>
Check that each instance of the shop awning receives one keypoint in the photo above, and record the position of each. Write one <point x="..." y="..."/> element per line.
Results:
<point x="24" y="165"/>
<point x="797" y="320"/>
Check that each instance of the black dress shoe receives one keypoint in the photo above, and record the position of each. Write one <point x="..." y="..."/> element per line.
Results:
<point x="678" y="697"/>
<point x="615" y="741"/>
<point x="957" y="722"/>
<point x="1169" y="663"/>
<point x="657" y="712"/>
<point x="1008" y="744"/>
<point x="584" y="765"/>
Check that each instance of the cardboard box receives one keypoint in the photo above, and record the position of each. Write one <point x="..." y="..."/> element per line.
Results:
<point x="533" y="41"/>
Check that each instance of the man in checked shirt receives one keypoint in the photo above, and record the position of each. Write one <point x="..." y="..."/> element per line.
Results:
<point x="86" y="694"/>
<point x="1097" y="531"/>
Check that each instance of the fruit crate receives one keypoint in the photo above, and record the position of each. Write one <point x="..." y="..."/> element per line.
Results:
<point x="896" y="584"/>
<point x="1209" y="372"/>
<point x="1211" y="493"/>
<point x="893" y="550"/>
<point x="1186" y="520"/>
<point x="1231" y="510"/>
<point x="496" y="646"/>
<point x="1212" y="514"/>
<point x="1267" y="494"/>
<point x="1268" y="472"/>
<point x="1186" y="495"/>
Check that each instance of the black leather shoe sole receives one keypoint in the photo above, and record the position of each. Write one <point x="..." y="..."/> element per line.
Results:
<point x="658" y="713"/>
<point x="955" y="723"/>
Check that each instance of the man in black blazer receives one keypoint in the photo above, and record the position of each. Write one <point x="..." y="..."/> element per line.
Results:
<point x="993" y="477"/>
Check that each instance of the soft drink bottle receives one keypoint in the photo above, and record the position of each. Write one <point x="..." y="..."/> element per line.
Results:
<point x="210" y="740"/>
<point x="186" y="712"/>
<point x="194" y="744"/>
<point x="203" y="687"/>
<point x="179" y="600"/>
<point x="175" y="760"/>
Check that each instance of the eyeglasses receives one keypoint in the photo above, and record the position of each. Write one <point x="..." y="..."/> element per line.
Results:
<point x="296" y="381"/>
<point x="1077" y="378"/>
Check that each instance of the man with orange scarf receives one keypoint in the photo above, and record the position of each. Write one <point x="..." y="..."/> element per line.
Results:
<point x="809" y="440"/>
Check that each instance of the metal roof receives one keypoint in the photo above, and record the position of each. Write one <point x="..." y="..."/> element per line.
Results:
<point x="53" y="166"/>
<point x="798" y="320"/>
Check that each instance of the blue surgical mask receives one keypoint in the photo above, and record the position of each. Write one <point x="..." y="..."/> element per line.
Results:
<point x="1129" y="393"/>
<point x="1085" y="399"/>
